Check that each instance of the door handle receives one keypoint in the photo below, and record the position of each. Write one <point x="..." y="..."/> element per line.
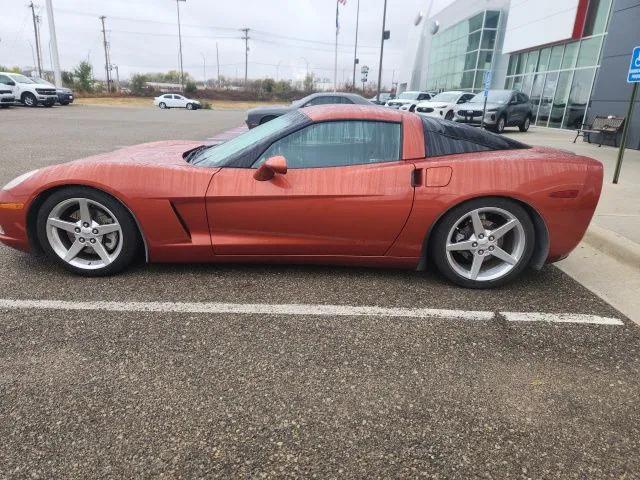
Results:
<point x="417" y="177"/>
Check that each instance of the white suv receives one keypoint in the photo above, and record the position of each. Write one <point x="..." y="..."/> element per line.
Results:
<point x="27" y="91"/>
<point x="443" y="104"/>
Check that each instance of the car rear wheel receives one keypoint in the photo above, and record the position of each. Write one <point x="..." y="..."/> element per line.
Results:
<point x="524" y="126"/>
<point x="87" y="232"/>
<point x="483" y="243"/>
<point x="449" y="115"/>
<point x="162" y="105"/>
<point x="29" y="99"/>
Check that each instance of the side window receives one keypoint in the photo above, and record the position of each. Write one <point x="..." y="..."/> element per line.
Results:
<point x="467" y="96"/>
<point x="334" y="144"/>
<point x="322" y="100"/>
<point x="522" y="98"/>
<point x="4" y="79"/>
<point x="177" y="97"/>
<point x="168" y="96"/>
<point x="424" y="96"/>
<point x="346" y="100"/>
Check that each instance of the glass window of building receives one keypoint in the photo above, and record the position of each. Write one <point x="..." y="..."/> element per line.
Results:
<point x="559" y="78"/>
<point x="460" y="54"/>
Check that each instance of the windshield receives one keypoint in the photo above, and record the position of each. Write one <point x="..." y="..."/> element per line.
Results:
<point x="447" y="97"/>
<point x="495" y="96"/>
<point x="216" y="156"/>
<point x="409" y="95"/>
<point x="42" y="80"/>
<point x="21" y="78"/>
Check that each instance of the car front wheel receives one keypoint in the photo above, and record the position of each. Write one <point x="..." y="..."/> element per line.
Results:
<point x="87" y="232"/>
<point x="162" y="105"/>
<point x="483" y="243"/>
<point x="502" y="122"/>
<point x="29" y="99"/>
<point x="449" y="115"/>
<point x="524" y="126"/>
<point x="189" y="106"/>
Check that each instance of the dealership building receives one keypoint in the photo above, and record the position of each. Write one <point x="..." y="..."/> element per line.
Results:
<point x="570" y="56"/>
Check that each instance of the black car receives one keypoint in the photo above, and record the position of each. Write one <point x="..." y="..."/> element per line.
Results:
<point x="505" y="108"/>
<point x="65" y="95"/>
<point x="260" y="115"/>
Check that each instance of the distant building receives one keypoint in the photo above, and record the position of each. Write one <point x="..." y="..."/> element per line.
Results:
<point x="164" y="87"/>
<point x="551" y="50"/>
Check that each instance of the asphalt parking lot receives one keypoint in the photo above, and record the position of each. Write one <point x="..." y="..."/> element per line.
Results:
<point x="119" y="389"/>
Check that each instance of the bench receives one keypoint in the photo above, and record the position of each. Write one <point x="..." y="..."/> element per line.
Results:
<point x="605" y="126"/>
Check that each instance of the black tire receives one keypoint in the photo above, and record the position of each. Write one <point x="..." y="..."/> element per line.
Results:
<point x="449" y="115"/>
<point x="4" y="106"/>
<point x="412" y="108"/>
<point x="29" y="99"/>
<point x="266" y="119"/>
<point x="64" y="103"/>
<point x="49" y="104"/>
<point x="500" y="124"/>
<point x="130" y="235"/>
<point x="162" y="105"/>
<point x="524" y="126"/>
<point x="190" y="106"/>
<point x="439" y="241"/>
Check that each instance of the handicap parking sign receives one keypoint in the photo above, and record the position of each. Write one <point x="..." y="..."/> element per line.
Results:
<point x="634" y="68"/>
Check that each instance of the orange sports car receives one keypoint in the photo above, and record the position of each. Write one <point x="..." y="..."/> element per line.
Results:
<point x="349" y="185"/>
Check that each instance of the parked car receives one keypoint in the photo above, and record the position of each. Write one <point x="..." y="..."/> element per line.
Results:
<point x="338" y="184"/>
<point x="174" y="100"/>
<point x="409" y="99"/>
<point x="384" y="98"/>
<point x="65" y="95"/>
<point x="260" y="115"/>
<point x="443" y="104"/>
<point x="505" y="108"/>
<point x="27" y="91"/>
<point x="6" y="97"/>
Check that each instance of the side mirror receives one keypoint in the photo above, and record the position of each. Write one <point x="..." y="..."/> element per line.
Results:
<point x="268" y="169"/>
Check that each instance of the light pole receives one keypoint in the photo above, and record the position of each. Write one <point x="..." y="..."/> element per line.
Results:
<point x="204" y="69"/>
<point x="385" y="36"/>
<point x="54" y="45"/>
<point x="180" y="44"/>
<point x="307" y="62"/>
<point x="355" y="48"/>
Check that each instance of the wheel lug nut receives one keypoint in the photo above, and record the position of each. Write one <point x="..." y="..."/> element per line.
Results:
<point x="81" y="240"/>
<point x="491" y="249"/>
<point x="93" y="240"/>
<point x="95" y="231"/>
<point x="474" y="244"/>
<point x="85" y="225"/>
<point x="481" y="236"/>
<point x="77" y="230"/>
<point x="480" y="252"/>
<point x="491" y="238"/>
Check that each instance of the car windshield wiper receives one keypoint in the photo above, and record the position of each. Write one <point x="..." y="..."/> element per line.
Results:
<point x="193" y="153"/>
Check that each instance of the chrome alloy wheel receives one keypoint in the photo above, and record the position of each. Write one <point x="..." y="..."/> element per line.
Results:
<point x="84" y="233"/>
<point x="485" y="244"/>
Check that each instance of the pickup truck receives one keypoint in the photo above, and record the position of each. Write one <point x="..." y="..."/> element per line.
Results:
<point x="27" y="91"/>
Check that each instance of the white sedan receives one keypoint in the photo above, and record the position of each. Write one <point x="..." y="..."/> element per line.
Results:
<point x="443" y="104"/>
<point x="173" y="100"/>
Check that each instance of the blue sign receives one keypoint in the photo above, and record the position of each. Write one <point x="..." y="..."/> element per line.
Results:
<point x="634" y="67"/>
<point x="486" y="82"/>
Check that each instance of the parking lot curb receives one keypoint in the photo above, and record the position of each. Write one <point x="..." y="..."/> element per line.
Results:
<point x="614" y="245"/>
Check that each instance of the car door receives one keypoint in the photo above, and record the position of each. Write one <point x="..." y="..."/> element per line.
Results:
<point x="514" y="110"/>
<point x="180" y="101"/>
<point x="347" y="191"/>
<point x="10" y="84"/>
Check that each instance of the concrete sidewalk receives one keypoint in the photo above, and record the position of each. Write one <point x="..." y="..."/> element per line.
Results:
<point x="608" y="259"/>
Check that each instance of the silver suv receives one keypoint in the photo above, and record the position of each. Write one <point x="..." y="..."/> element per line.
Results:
<point x="505" y="108"/>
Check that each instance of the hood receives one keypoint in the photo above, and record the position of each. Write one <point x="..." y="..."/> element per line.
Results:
<point x="271" y="110"/>
<point x="479" y="106"/>
<point x="168" y="152"/>
<point x="41" y="85"/>
<point x="401" y="101"/>
<point x="432" y="104"/>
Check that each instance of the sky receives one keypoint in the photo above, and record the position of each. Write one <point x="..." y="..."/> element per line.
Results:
<point x="285" y="36"/>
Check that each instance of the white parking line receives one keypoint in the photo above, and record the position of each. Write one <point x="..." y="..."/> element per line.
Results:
<point x="560" y="318"/>
<point x="305" y="309"/>
<point x="247" y="308"/>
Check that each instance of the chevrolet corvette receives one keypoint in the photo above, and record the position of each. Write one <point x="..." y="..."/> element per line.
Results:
<point x="343" y="185"/>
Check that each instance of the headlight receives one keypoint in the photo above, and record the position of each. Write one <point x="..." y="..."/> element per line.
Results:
<point x="18" y="180"/>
